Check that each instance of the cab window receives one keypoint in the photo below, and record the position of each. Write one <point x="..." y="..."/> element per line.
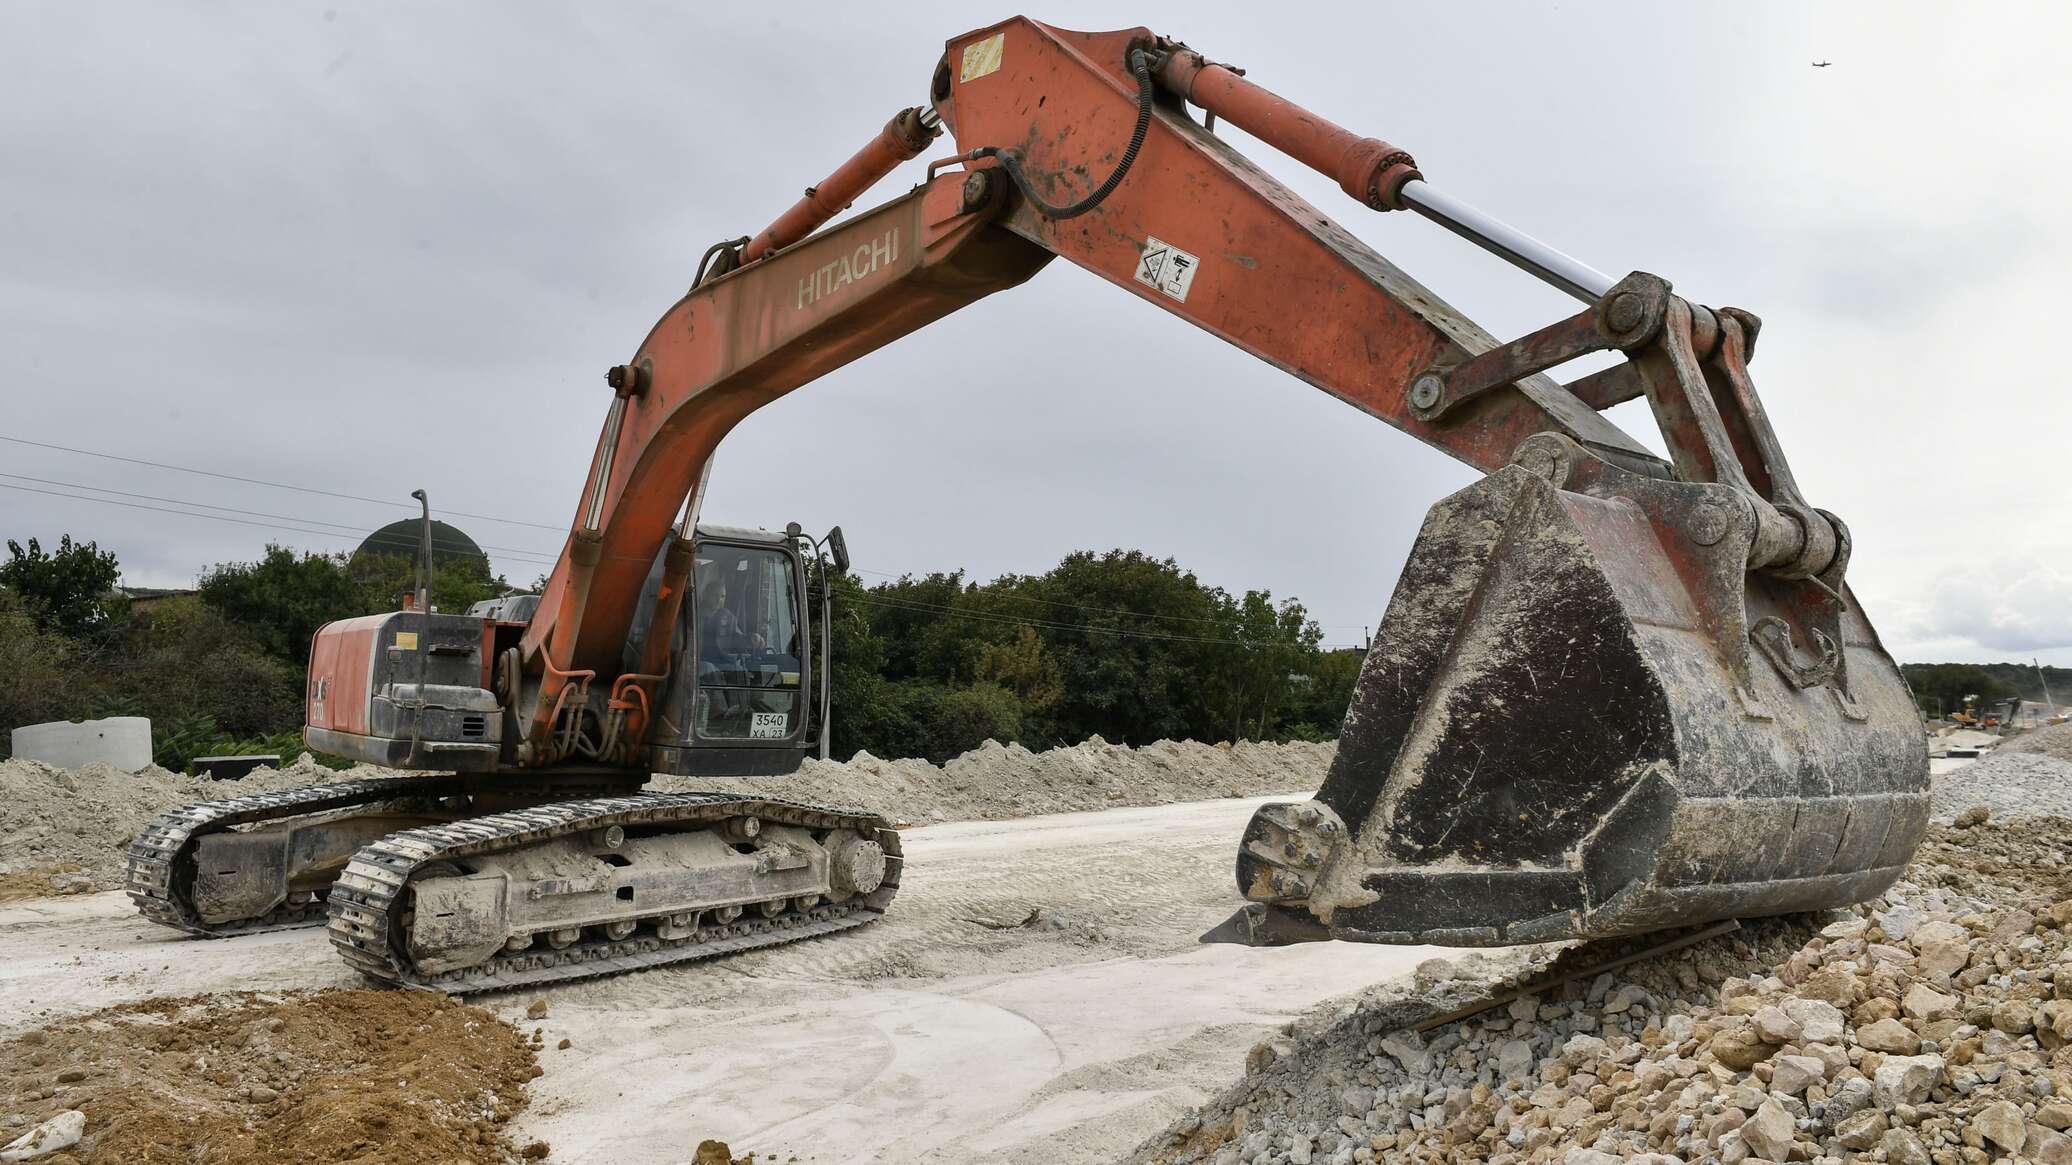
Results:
<point x="748" y="643"/>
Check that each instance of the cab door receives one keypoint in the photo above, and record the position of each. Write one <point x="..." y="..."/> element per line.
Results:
<point x="750" y="649"/>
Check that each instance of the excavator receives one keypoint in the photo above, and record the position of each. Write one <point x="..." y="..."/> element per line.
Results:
<point x="1613" y="692"/>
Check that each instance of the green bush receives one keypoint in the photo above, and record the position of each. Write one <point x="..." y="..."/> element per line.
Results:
<point x="969" y="716"/>
<point x="38" y="677"/>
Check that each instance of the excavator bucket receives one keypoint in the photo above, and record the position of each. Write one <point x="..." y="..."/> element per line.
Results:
<point x="1583" y="716"/>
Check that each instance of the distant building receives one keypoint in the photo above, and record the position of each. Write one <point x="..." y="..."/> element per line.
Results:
<point x="144" y="598"/>
<point x="449" y="544"/>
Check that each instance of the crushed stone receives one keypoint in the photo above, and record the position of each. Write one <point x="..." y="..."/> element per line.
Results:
<point x="1931" y="1025"/>
<point x="398" y="1077"/>
<point x="2006" y="783"/>
<point x="2052" y="740"/>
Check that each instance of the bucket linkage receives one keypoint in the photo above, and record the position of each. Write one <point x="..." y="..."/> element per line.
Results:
<point x="1603" y="700"/>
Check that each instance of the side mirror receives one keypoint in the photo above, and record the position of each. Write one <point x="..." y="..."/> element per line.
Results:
<point x="840" y="549"/>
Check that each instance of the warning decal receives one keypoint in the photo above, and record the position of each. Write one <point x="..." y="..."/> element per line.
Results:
<point x="982" y="57"/>
<point x="1167" y="268"/>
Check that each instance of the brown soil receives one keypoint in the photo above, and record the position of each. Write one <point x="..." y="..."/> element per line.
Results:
<point x="44" y="882"/>
<point x="359" y="1076"/>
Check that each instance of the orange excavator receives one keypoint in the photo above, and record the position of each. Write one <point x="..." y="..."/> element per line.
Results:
<point x="1612" y="693"/>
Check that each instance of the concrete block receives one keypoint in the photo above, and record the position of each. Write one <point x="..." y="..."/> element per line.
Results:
<point x="122" y="742"/>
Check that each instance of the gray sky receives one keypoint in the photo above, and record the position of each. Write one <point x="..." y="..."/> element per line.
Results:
<point x="364" y="248"/>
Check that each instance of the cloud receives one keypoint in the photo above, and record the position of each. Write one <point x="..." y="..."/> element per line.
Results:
<point x="2021" y="605"/>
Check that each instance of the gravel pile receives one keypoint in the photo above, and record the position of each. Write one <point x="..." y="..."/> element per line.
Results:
<point x="2005" y="783"/>
<point x="66" y="830"/>
<point x="1930" y="1026"/>
<point x="2053" y="741"/>
<point x="997" y="781"/>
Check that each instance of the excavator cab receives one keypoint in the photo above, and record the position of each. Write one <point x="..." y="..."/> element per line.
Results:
<point x="745" y="692"/>
<point x="748" y="687"/>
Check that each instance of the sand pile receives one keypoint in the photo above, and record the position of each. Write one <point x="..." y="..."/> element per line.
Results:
<point x="2053" y="740"/>
<point x="66" y="830"/>
<point x="396" y="1077"/>
<point x="1934" y="1025"/>
<point x="997" y="781"/>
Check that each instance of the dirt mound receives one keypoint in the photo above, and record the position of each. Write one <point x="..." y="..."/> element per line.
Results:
<point x="78" y="822"/>
<point x="389" y="1077"/>
<point x="45" y="882"/>
<point x="2054" y="740"/>
<point x="66" y="830"/>
<point x="997" y="781"/>
<point x="1934" y="1024"/>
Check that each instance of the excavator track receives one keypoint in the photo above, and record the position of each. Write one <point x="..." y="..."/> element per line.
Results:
<point x="368" y="904"/>
<point x="155" y="856"/>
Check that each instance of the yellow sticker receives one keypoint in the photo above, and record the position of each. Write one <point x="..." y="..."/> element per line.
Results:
<point x="982" y="57"/>
<point x="407" y="640"/>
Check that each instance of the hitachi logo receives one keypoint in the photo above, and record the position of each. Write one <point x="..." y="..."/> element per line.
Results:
<point x="879" y="252"/>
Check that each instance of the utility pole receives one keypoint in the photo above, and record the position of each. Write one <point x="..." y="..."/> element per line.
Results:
<point x="2038" y="664"/>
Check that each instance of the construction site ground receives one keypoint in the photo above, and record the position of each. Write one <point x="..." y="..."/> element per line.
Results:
<point x="1037" y="994"/>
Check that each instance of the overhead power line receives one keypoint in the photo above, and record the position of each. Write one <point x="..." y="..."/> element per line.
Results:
<point x="1096" y="610"/>
<point x="990" y="617"/>
<point x="439" y="540"/>
<point x="283" y="524"/>
<point x="274" y="484"/>
<point x="542" y="556"/>
<point x="278" y="522"/>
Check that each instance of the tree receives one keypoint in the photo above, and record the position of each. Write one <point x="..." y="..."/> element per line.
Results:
<point x="71" y="591"/>
<point x="1320" y="694"/>
<point x="966" y="717"/>
<point x="39" y="679"/>
<point x="1268" y="645"/>
<point x="283" y="598"/>
<point x="184" y="662"/>
<point x="1940" y="688"/>
<point x="381" y="580"/>
<point x="1023" y="666"/>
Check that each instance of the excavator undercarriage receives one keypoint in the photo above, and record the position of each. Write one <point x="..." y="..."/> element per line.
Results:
<point x="423" y="887"/>
<point x="1614" y="692"/>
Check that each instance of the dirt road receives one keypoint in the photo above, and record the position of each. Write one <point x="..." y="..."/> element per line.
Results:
<point x="1035" y="995"/>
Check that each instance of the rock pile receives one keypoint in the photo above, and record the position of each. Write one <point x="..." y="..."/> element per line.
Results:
<point x="1931" y="1026"/>
<point x="2006" y="783"/>
<point x="2054" y="740"/>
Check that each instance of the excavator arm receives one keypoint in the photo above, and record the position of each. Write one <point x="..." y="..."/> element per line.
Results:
<point x="1192" y="227"/>
<point x="1611" y="693"/>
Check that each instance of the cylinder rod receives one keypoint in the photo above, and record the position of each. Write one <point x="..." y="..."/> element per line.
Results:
<point x="904" y="137"/>
<point x="1507" y="242"/>
<point x="1371" y="170"/>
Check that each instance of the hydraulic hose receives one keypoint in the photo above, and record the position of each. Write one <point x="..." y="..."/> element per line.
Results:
<point x="1010" y="160"/>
